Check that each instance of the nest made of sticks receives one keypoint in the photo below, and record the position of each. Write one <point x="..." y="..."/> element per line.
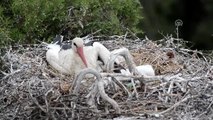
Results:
<point x="183" y="88"/>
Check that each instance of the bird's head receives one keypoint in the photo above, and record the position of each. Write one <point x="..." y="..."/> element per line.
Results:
<point x="77" y="46"/>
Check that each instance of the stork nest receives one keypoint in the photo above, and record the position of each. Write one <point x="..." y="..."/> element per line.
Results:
<point x="31" y="89"/>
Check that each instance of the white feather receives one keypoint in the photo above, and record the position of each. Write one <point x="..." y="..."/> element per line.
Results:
<point x="52" y="56"/>
<point x="146" y="70"/>
<point x="68" y="62"/>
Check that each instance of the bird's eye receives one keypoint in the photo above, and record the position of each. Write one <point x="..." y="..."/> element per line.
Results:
<point x="75" y="44"/>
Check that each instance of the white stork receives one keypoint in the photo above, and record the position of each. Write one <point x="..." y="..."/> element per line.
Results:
<point x="72" y="59"/>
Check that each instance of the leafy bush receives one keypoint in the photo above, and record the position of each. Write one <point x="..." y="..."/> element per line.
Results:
<point x="38" y="18"/>
<point x="24" y="21"/>
<point x="110" y="16"/>
<point x="28" y="20"/>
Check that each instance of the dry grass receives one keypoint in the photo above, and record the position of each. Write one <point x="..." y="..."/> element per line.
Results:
<point x="30" y="89"/>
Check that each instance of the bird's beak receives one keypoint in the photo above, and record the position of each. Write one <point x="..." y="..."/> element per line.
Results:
<point x="81" y="54"/>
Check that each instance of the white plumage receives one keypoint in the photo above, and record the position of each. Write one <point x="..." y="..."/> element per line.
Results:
<point x="146" y="70"/>
<point x="52" y="57"/>
<point x="71" y="61"/>
<point x="78" y="56"/>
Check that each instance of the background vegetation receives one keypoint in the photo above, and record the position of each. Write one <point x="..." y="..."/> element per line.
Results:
<point x="26" y="21"/>
<point x="197" y="17"/>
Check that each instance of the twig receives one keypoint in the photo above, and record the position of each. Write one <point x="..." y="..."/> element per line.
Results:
<point x="10" y="74"/>
<point x="209" y="106"/>
<point x="90" y="35"/>
<point x="169" y="90"/>
<point x="134" y="89"/>
<point x="172" y="107"/>
<point x="34" y="100"/>
<point x="46" y="99"/>
<point x="119" y="83"/>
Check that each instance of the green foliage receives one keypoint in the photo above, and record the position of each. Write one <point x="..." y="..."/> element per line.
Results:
<point x="38" y="18"/>
<point x="24" y="21"/>
<point x="28" y="20"/>
<point x="4" y="32"/>
<point x="111" y="16"/>
<point x="4" y="37"/>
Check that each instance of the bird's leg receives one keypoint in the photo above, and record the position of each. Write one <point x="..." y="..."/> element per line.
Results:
<point x="101" y="85"/>
<point x="122" y="86"/>
<point x="127" y="56"/>
<point x="129" y="61"/>
<point x="98" y="88"/>
<point x="81" y="75"/>
<point x="91" y="96"/>
<point x="134" y="88"/>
